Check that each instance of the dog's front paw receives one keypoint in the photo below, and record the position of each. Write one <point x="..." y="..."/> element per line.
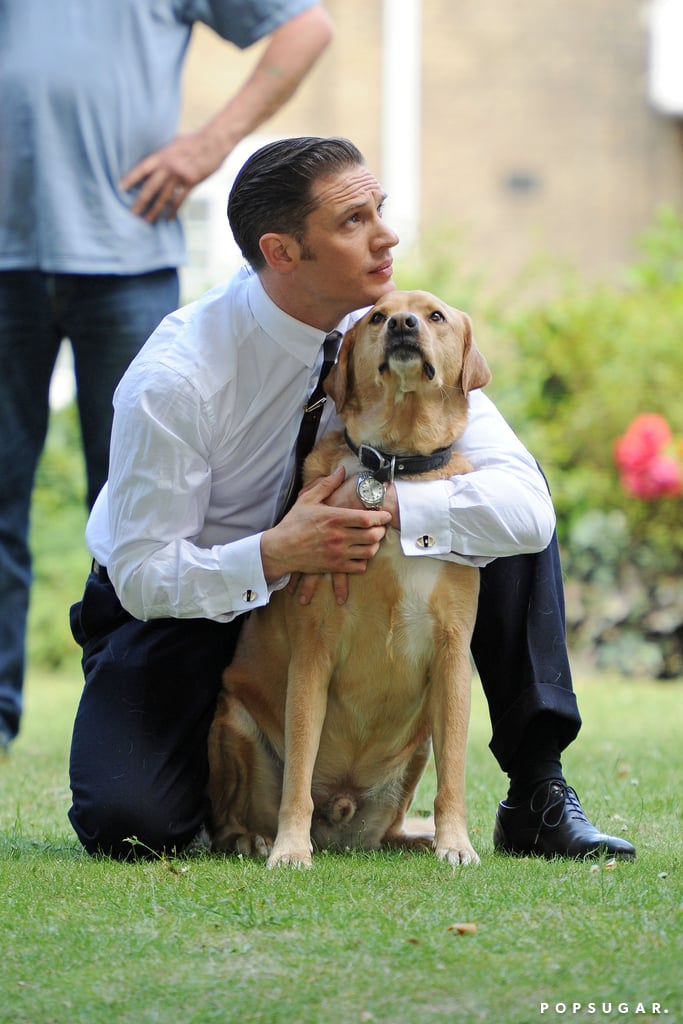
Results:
<point x="462" y="853"/>
<point x="291" y="855"/>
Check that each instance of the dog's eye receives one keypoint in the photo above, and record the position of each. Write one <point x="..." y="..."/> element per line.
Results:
<point x="436" y="315"/>
<point x="377" y="318"/>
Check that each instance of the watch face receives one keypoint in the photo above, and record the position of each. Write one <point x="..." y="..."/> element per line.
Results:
<point x="371" y="491"/>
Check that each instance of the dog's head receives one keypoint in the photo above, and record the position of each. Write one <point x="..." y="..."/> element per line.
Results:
<point x="404" y="372"/>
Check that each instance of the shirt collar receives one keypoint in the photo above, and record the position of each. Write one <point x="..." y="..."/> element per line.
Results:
<point x="299" y="339"/>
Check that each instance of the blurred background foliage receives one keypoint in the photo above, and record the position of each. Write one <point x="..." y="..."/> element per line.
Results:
<point x="570" y="372"/>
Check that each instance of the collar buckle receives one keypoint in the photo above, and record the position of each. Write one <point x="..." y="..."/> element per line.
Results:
<point x="381" y="466"/>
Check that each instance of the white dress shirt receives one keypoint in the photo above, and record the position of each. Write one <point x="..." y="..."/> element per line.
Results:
<point x="205" y="423"/>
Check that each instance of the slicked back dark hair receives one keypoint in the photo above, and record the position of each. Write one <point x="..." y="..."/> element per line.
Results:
<point x="273" y="190"/>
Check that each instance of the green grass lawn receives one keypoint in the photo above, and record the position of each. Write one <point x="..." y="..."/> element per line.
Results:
<point x="361" y="937"/>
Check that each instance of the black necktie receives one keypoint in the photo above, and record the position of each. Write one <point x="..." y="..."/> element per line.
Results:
<point x="310" y="420"/>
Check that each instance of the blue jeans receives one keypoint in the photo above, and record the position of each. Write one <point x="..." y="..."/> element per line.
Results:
<point x="107" y="319"/>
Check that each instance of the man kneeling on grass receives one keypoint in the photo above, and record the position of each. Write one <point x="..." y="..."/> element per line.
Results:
<point x="187" y="535"/>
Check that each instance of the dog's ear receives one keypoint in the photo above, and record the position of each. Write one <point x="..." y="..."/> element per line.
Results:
<point x="338" y="383"/>
<point x="475" y="369"/>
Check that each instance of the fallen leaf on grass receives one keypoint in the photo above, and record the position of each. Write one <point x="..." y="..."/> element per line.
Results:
<point x="610" y="865"/>
<point x="465" y="928"/>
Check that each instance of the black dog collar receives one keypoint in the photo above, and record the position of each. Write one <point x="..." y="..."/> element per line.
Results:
<point x="384" y="467"/>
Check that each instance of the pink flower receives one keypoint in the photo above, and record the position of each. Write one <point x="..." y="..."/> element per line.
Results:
<point x="645" y="437"/>
<point x="646" y="471"/>
<point x="660" y="478"/>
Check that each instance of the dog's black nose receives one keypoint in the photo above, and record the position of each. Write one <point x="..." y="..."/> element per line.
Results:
<point x="402" y="323"/>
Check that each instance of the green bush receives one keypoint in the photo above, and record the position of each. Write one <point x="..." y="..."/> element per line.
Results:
<point x="584" y="367"/>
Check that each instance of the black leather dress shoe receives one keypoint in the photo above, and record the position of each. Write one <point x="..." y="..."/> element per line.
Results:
<point x="553" y="824"/>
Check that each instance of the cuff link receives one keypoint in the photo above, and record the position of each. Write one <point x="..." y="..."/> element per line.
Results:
<point x="248" y="596"/>
<point x="425" y="541"/>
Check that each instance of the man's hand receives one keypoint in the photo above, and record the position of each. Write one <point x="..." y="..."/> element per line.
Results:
<point x="304" y="585"/>
<point x="346" y="496"/>
<point x="315" y="537"/>
<point x="168" y="175"/>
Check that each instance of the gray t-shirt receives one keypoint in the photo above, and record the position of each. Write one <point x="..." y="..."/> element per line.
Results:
<point x="87" y="89"/>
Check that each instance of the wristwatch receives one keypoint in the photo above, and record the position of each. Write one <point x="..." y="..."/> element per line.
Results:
<point x="371" y="491"/>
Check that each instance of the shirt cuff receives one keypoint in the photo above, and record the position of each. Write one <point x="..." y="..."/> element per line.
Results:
<point x="425" y="517"/>
<point x="242" y="569"/>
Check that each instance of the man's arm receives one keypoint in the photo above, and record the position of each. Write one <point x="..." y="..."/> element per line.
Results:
<point x="502" y="508"/>
<point x="171" y="173"/>
<point x="169" y="551"/>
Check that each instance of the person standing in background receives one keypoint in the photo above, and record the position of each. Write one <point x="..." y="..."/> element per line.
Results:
<point x="92" y="175"/>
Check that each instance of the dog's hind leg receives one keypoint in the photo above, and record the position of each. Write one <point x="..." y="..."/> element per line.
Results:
<point x="244" y="785"/>
<point x="397" y="834"/>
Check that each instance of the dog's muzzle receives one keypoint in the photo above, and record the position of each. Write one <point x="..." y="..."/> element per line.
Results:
<point x="403" y="342"/>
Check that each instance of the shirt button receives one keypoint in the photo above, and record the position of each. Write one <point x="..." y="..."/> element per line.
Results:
<point x="248" y="596"/>
<point x="425" y="541"/>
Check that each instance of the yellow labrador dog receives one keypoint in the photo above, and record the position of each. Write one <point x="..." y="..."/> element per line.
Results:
<point x="327" y="714"/>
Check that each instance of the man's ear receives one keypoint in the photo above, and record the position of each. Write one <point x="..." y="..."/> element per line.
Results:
<point x="280" y="252"/>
